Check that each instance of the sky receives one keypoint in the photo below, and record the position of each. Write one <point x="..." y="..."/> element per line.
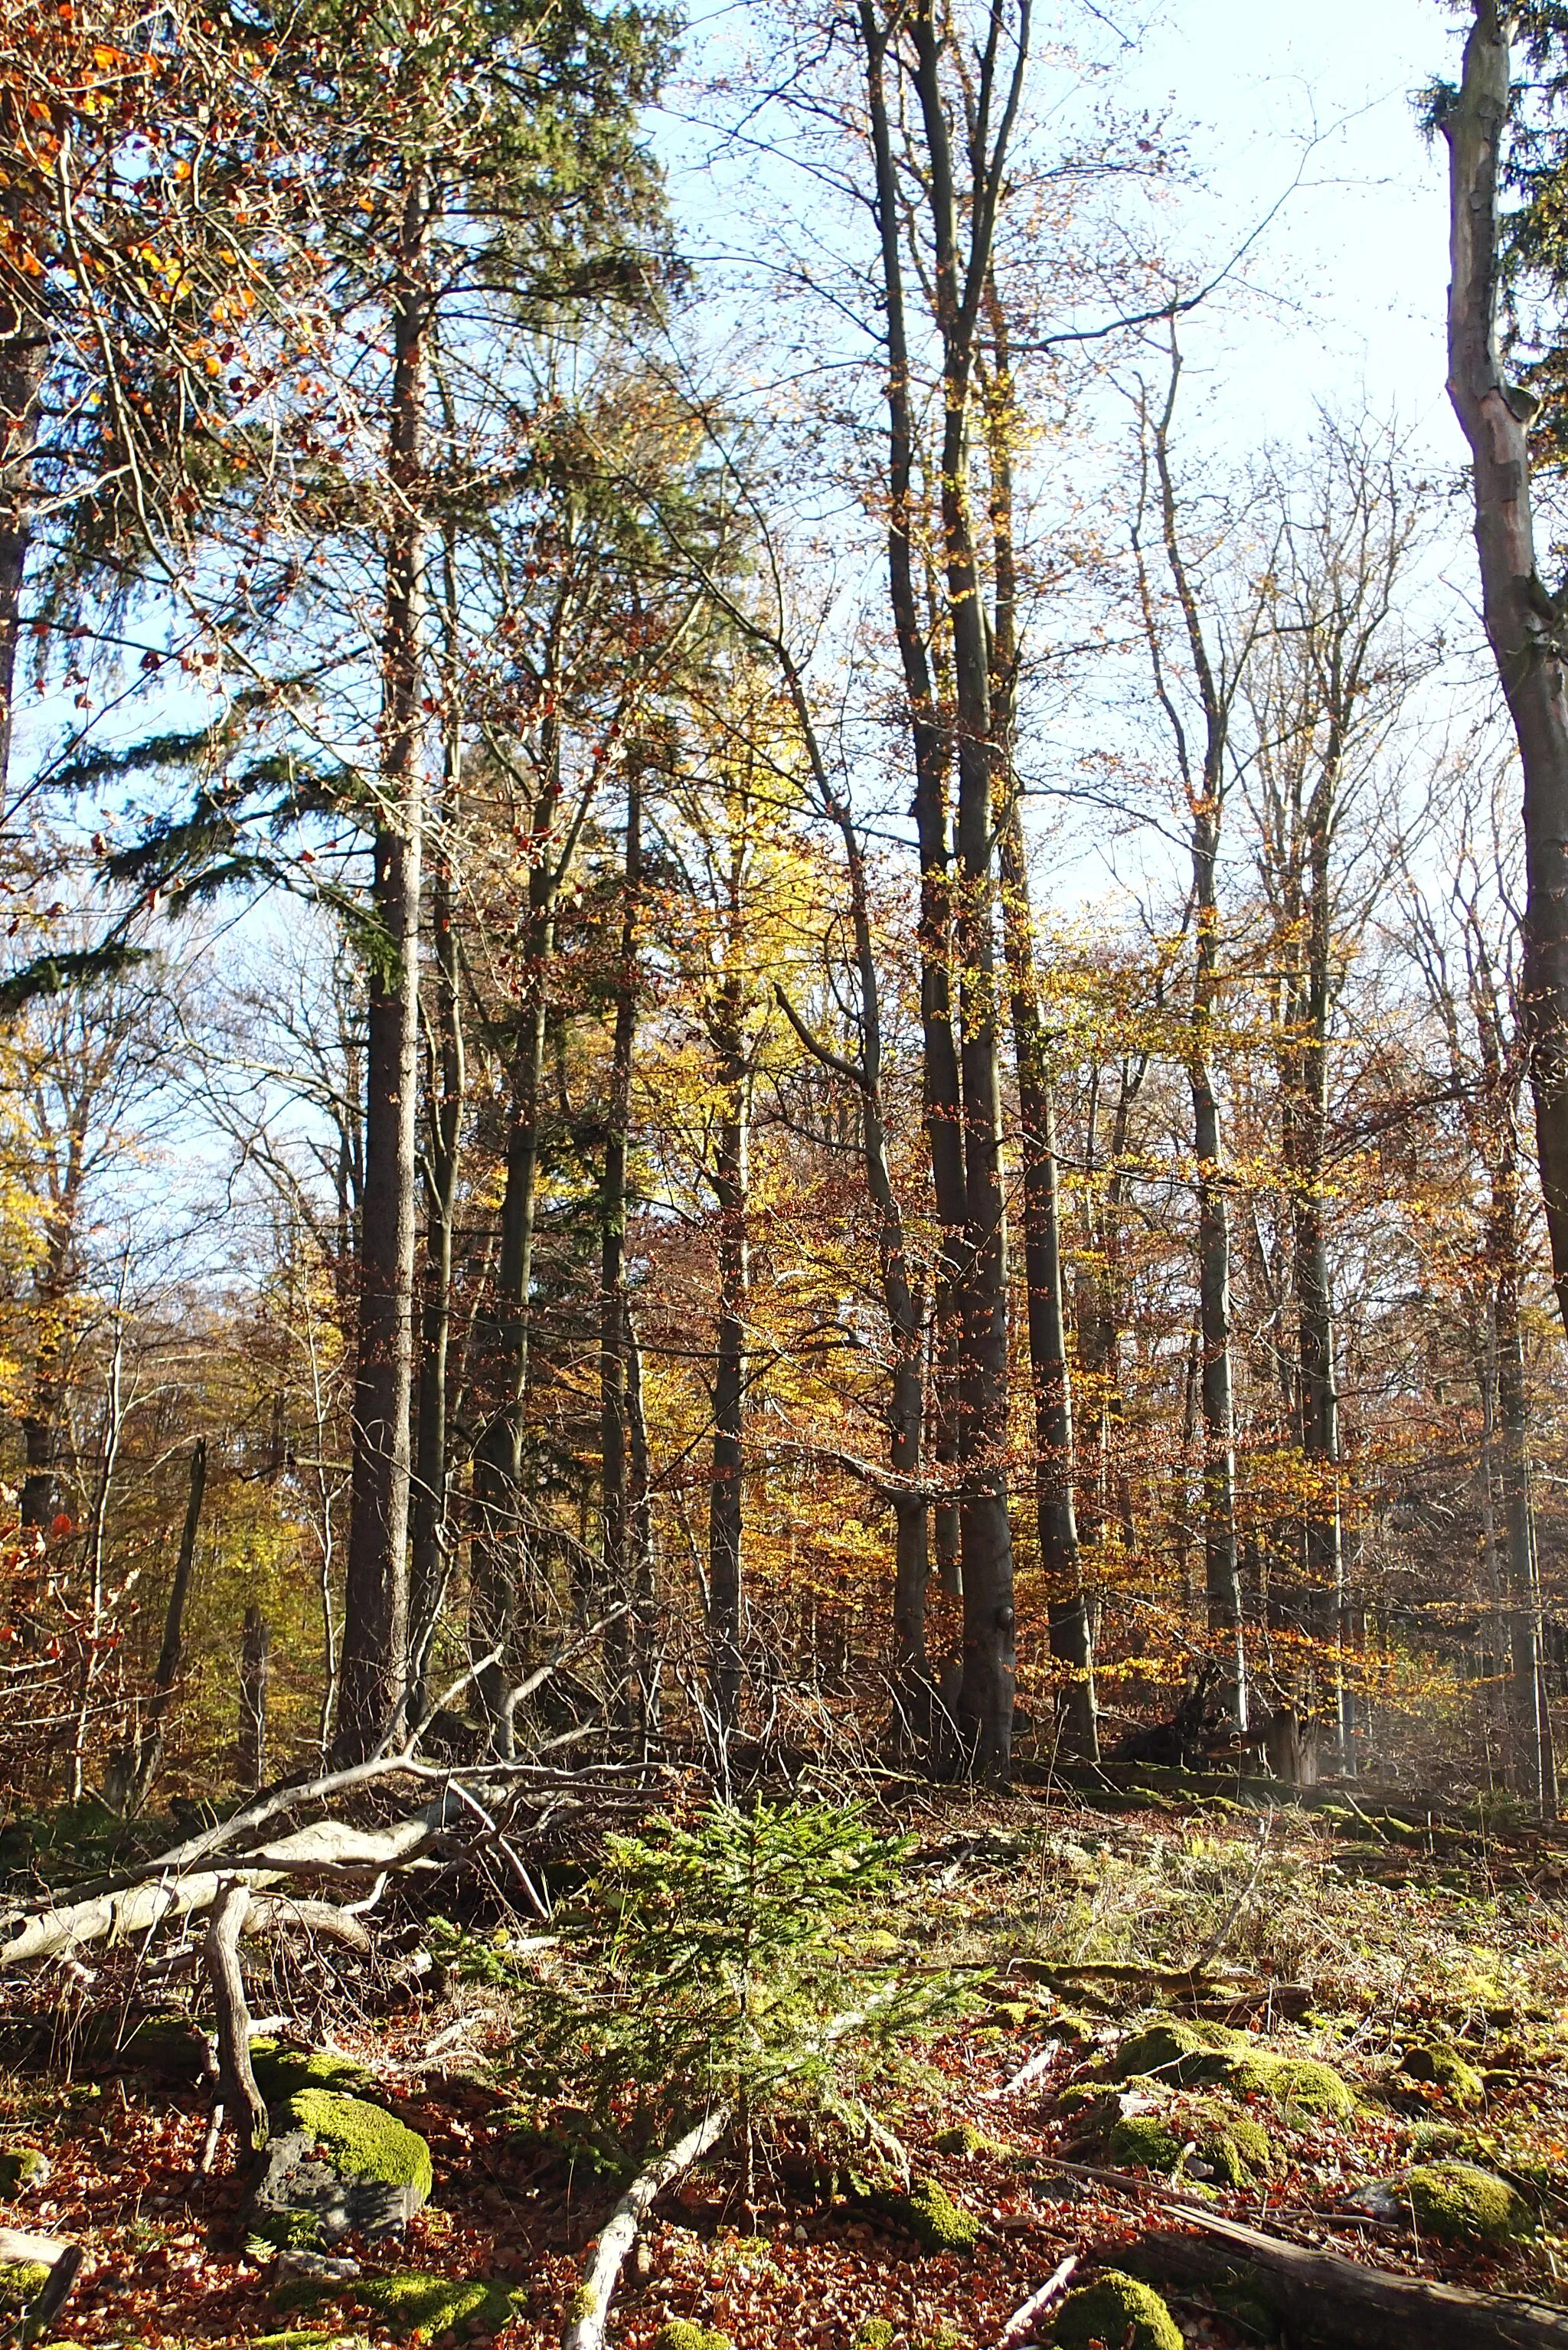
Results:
<point x="1358" y="254"/>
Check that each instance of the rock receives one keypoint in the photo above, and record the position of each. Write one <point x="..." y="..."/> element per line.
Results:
<point x="338" y="2166"/>
<point x="281" y="2073"/>
<point x="936" y="2220"/>
<point x="316" y="2269"/>
<point x="1465" y="2205"/>
<point x="685" y="2333"/>
<point x="1445" y="2068"/>
<point x="1227" y="2147"/>
<point x="432" y="2306"/>
<point x="23" y="2167"/>
<point x="965" y="2138"/>
<point x="1115" y="2309"/>
<point x="1182" y="2055"/>
<point x="1144" y="2142"/>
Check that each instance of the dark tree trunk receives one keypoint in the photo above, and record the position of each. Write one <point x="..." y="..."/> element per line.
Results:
<point x="445" y="1090"/>
<point x="375" y="1618"/>
<point x="253" y="1653"/>
<point x="624" y="1571"/>
<point x="729" y="1179"/>
<point x="1524" y="627"/>
<point x="22" y="360"/>
<point x="172" y="1655"/>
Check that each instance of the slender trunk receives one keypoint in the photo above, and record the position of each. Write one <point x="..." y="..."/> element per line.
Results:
<point x="446" y="1089"/>
<point x="931" y="750"/>
<point x="1524" y="627"/>
<point x="1067" y="1610"/>
<point x="172" y="1655"/>
<point x="989" y="1633"/>
<point x="375" y="1626"/>
<point x="1324" y="1553"/>
<point x="22" y="359"/>
<point x="622" y="1572"/>
<point x="255" y="1650"/>
<point x="730" y="1180"/>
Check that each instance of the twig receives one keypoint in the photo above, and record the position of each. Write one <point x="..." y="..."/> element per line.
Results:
<point x="222" y="1956"/>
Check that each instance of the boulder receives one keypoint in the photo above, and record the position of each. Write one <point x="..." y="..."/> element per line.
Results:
<point x="337" y="2165"/>
<point x="1115" y="2309"/>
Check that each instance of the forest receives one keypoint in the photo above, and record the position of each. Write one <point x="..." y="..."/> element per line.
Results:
<point x="783" y="1156"/>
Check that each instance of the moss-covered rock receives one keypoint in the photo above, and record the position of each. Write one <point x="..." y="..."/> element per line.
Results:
<point x="965" y="2138"/>
<point x="1436" y="2062"/>
<point x="685" y="2333"/>
<point x="1180" y="2054"/>
<point x="1144" y="2142"/>
<point x="22" y="2281"/>
<point x="874" y="2334"/>
<point x="1465" y="2205"/>
<point x="1117" y="2309"/>
<point x="410" y="2303"/>
<point x="21" y="2167"/>
<point x="1239" y="2149"/>
<point x="935" y="2219"/>
<point x="283" y="2072"/>
<point x="337" y="2165"/>
<point x="362" y="2140"/>
<point x="1299" y="2082"/>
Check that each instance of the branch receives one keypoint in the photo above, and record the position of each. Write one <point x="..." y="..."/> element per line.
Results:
<point x="586" y="2328"/>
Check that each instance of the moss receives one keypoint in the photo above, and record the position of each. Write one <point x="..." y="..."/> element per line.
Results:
<point x="1144" y="2142"/>
<point x="1180" y="2054"/>
<point x="302" y="2296"/>
<point x="23" y="2166"/>
<point x="1464" y="2205"/>
<point x="282" y="2073"/>
<point x="410" y="2302"/>
<point x="965" y="2138"/>
<point x="930" y="2214"/>
<point x="300" y="2337"/>
<point x="685" y="2333"/>
<point x="285" y="2232"/>
<point x="1446" y="2069"/>
<point x="1239" y="2148"/>
<point x="22" y="2281"/>
<point x="362" y="2140"/>
<point x="1115" y="2310"/>
<point x="1300" y="2081"/>
<point x="874" y="2334"/>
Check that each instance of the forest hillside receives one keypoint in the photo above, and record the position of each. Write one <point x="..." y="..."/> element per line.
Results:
<point x="784" y="1163"/>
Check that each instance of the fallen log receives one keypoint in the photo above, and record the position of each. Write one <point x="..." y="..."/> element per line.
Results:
<point x="1026" y="2320"/>
<point x="589" y="2310"/>
<point x="1322" y="2298"/>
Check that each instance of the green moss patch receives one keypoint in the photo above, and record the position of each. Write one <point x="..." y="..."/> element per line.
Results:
<point x="410" y="2303"/>
<point x="874" y="2334"/>
<point x="1180" y="2054"/>
<point x="1144" y="2142"/>
<point x="1234" y="2147"/>
<point x="965" y="2138"/>
<point x="22" y="2281"/>
<point x="283" y="2072"/>
<point x="937" y="2221"/>
<point x="1115" y="2309"/>
<point x="1465" y="2205"/>
<point x="362" y="2141"/>
<point x="1436" y="2062"/>
<point x="1299" y="2082"/>
<point x="685" y="2333"/>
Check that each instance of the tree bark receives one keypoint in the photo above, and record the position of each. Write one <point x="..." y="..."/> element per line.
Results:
<point x="730" y="1182"/>
<point x="253" y="1652"/>
<point x="375" y="1622"/>
<point x="23" y="351"/>
<point x="172" y="1655"/>
<point x="1522" y="624"/>
<point x="446" y="1089"/>
<point x="221" y="1951"/>
<point x="623" y="1571"/>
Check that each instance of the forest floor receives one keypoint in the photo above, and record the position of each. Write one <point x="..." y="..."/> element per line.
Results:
<point x="1354" y="1937"/>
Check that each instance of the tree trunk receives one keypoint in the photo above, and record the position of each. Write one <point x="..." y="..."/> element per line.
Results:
<point x="1523" y="625"/>
<point x="623" y="1570"/>
<point x="375" y="1622"/>
<point x="172" y="1655"/>
<point x="724" y="1510"/>
<point x="445" y="1092"/>
<point x="253" y="1651"/>
<point x="22" y="358"/>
